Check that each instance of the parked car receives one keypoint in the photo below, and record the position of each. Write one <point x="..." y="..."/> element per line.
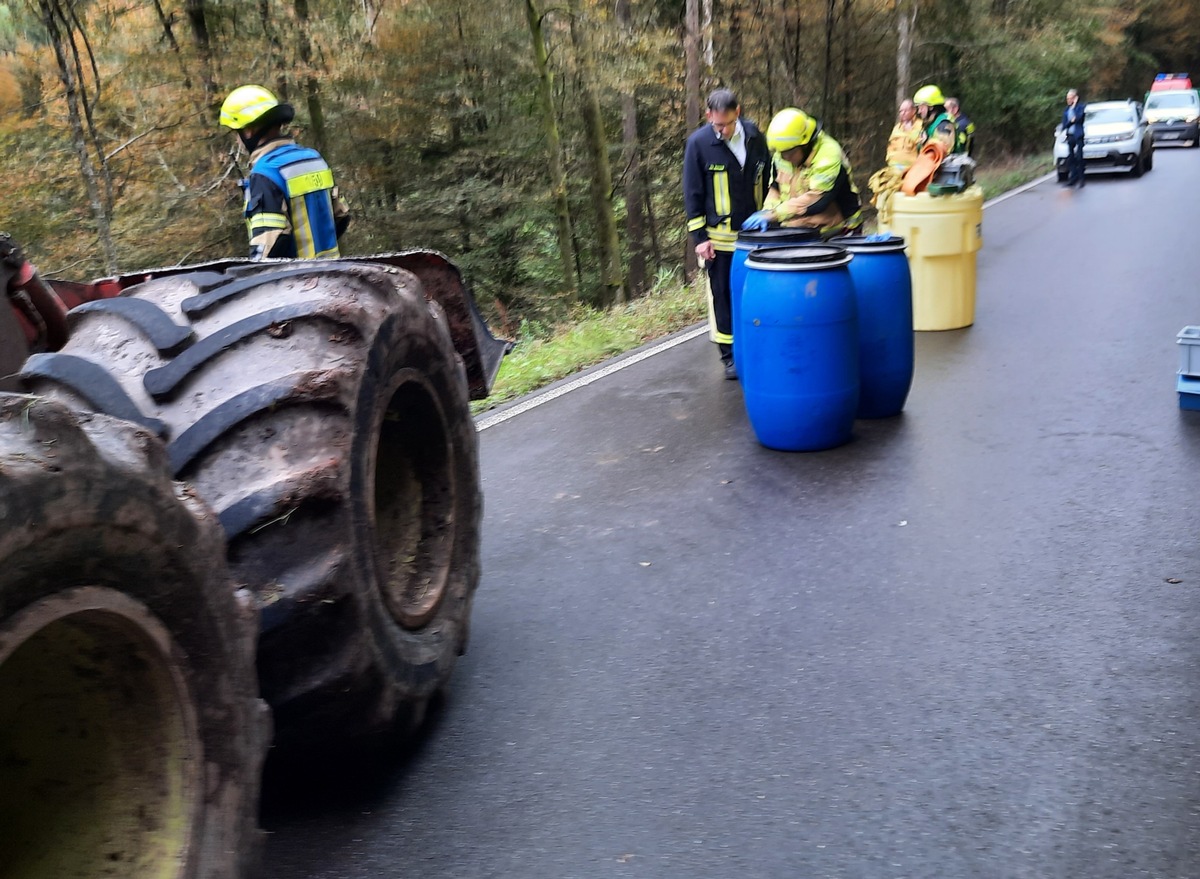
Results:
<point x="1115" y="136"/>
<point x="1174" y="116"/>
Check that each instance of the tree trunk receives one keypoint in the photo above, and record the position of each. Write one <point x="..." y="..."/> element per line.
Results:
<point x="100" y="199"/>
<point x="277" y="63"/>
<point x="608" y="242"/>
<point x="906" y="24"/>
<point x="88" y="102"/>
<point x="706" y="28"/>
<point x="312" y="88"/>
<point x="635" y="232"/>
<point x="826" y="84"/>
<point x="371" y="11"/>
<point x="168" y="29"/>
<point x="734" y="51"/>
<point x="470" y="73"/>
<point x="168" y="26"/>
<point x="197" y="19"/>
<point x="846" y="82"/>
<point x="652" y="226"/>
<point x="798" y="59"/>
<point x="691" y="87"/>
<point x="635" y="225"/>
<point x="558" y="176"/>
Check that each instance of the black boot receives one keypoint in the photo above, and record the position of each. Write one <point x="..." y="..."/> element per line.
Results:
<point x="727" y="361"/>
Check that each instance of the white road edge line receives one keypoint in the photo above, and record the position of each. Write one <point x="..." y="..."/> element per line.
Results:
<point x="1028" y="186"/>
<point x="584" y="381"/>
<point x="686" y="336"/>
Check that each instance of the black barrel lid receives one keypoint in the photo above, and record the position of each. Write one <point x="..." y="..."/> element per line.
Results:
<point x="883" y="243"/>
<point x="777" y="237"/>
<point x="808" y="256"/>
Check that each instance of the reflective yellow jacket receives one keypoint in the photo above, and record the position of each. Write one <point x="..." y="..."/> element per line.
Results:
<point x="818" y="194"/>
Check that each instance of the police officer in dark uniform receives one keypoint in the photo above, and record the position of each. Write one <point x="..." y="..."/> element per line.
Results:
<point x="726" y="172"/>
<point x="292" y="207"/>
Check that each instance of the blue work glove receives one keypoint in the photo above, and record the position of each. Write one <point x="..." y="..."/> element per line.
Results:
<point x="757" y="222"/>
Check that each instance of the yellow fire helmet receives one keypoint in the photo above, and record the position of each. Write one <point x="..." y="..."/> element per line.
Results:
<point x="929" y="94"/>
<point x="246" y="105"/>
<point x="789" y="129"/>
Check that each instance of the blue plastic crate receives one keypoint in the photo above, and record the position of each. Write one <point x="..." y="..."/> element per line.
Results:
<point x="1188" y="341"/>
<point x="1189" y="392"/>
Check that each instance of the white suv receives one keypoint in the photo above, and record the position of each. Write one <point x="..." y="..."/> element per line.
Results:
<point x="1115" y="136"/>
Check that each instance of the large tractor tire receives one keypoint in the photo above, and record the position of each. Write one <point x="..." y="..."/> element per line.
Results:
<point x="131" y="733"/>
<point x="321" y="409"/>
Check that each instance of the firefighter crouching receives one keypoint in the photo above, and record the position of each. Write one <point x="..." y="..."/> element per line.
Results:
<point x="814" y="187"/>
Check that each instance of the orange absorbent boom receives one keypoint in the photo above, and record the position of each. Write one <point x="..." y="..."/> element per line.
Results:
<point x="920" y="173"/>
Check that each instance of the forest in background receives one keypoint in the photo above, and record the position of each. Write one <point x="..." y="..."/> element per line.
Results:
<point x="536" y="143"/>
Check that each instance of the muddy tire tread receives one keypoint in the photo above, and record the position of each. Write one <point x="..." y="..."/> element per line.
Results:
<point x="87" y="502"/>
<point x="271" y="411"/>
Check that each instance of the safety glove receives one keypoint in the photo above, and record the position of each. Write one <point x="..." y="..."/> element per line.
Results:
<point x="758" y="221"/>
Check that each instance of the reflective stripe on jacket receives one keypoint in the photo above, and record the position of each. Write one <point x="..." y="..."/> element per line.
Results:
<point x="826" y="172"/>
<point x="903" y="145"/>
<point x="718" y="193"/>
<point x="302" y="206"/>
<point x="964" y="134"/>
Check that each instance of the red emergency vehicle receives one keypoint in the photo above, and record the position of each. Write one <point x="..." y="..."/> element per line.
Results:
<point x="1169" y="82"/>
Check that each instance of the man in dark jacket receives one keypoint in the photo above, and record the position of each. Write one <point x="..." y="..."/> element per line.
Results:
<point x="726" y="172"/>
<point x="1072" y="126"/>
<point x="963" y="126"/>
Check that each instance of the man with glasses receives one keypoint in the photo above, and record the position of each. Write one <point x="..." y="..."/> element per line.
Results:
<point x="726" y="172"/>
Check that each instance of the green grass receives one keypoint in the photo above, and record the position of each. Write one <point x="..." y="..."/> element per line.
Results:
<point x="1009" y="173"/>
<point x="594" y="336"/>
<point x="543" y="356"/>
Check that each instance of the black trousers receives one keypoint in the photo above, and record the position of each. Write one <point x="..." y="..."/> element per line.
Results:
<point x="718" y="284"/>
<point x="1074" y="159"/>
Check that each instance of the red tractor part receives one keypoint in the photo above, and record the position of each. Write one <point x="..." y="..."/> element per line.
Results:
<point x="38" y="320"/>
<point x="440" y="279"/>
<point x="40" y="315"/>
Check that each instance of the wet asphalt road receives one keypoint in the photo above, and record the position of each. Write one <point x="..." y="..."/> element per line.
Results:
<point x="955" y="647"/>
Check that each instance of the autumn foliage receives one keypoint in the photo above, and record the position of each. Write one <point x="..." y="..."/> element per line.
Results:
<point x="430" y="113"/>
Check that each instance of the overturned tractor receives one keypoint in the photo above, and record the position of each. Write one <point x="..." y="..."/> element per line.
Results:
<point x="232" y="480"/>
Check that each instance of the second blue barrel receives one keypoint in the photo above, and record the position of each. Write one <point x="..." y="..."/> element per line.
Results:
<point x="883" y="286"/>
<point x="798" y="354"/>
<point x="748" y="241"/>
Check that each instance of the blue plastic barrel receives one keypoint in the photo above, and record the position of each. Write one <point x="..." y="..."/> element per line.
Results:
<point x="883" y="286"/>
<point x="798" y="360"/>
<point x="748" y="241"/>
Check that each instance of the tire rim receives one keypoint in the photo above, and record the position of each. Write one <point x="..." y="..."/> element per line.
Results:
<point x="414" y="502"/>
<point x="100" y="752"/>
